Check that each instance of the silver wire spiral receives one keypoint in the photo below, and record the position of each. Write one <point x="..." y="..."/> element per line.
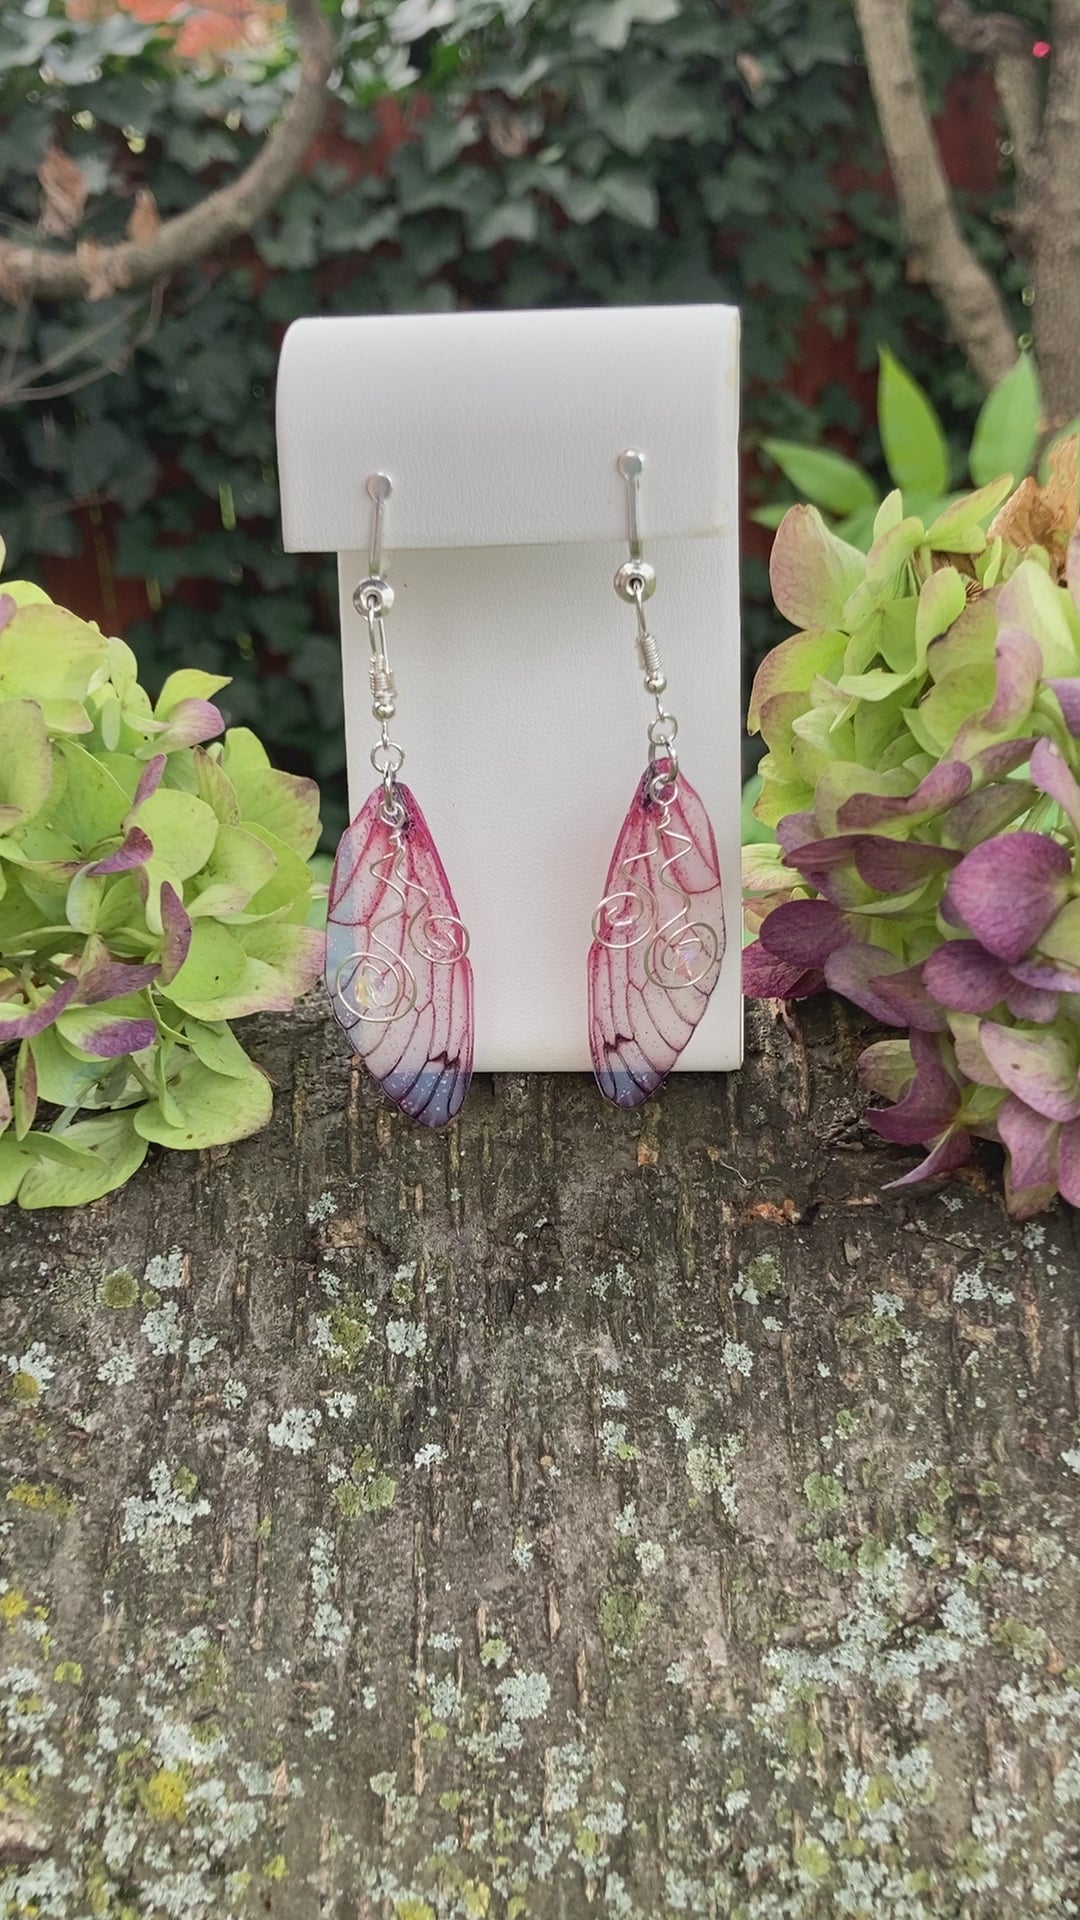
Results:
<point x="681" y="951"/>
<point x="386" y="982"/>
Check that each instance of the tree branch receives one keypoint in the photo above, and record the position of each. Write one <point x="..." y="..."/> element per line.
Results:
<point x="95" y="272"/>
<point x="969" y="295"/>
<point x="1005" y="43"/>
<point x="1056" y="269"/>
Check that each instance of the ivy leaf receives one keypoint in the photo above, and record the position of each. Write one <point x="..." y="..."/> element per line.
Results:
<point x="916" y="450"/>
<point x="608" y="23"/>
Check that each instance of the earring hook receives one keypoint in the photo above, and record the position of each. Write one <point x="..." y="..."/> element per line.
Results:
<point x="636" y="579"/>
<point x="630" y="465"/>
<point x="378" y="488"/>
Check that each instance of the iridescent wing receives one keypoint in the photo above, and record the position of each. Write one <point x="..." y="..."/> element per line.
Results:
<point x="658" y="938"/>
<point x="397" y="970"/>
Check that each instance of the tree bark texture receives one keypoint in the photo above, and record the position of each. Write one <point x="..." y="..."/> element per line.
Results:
<point x="1056" y="252"/>
<point x="577" y="1512"/>
<point x="971" y="298"/>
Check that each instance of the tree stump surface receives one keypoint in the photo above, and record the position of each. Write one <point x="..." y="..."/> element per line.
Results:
<point x="578" y="1512"/>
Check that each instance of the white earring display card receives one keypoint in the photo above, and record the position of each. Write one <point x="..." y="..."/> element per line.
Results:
<point x="520" y="702"/>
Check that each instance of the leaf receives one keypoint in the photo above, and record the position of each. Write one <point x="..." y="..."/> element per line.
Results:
<point x="828" y="480"/>
<point x="112" y="1151"/>
<point x="64" y="190"/>
<point x="608" y="23"/>
<point x="1007" y="430"/>
<point x="916" y="450"/>
<point x="188" y="684"/>
<point x="214" y="1108"/>
<point x="630" y="197"/>
<point x="216" y="1045"/>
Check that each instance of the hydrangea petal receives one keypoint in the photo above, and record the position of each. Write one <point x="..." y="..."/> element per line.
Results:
<point x="887" y="1068"/>
<point x="1031" y="1142"/>
<point x="942" y="787"/>
<point x="136" y="849"/>
<point x="176" y="924"/>
<point x="855" y="971"/>
<point x="987" y="811"/>
<point x="795" y="829"/>
<point x="930" y="1104"/>
<point x="962" y="975"/>
<point x="1019" y="663"/>
<point x="1051" y="976"/>
<point x="1068" y="695"/>
<point x="1003" y="758"/>
<point x="906" y="994"/>
<point x="767" y="978"/>
<point x="114" y="1038"/>
<point x="1053" y="775"/>
<point x="149" y="780"/>
<point x="953" y="1150"/>
<point x="1039" y="1068"/>
<point x="1007" y="891"/>
<point x="805" y="931"/>
<point x="895" y="866"/>
<point x="811" y="571"/>
<point x="1032" y="1003"/>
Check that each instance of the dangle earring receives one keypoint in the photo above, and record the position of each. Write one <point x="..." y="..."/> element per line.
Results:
<point x="658" y="933"/>
<point x="397" y="968"/>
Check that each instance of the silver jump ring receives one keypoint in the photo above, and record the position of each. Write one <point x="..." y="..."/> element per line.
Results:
<point x="387" y="757"/>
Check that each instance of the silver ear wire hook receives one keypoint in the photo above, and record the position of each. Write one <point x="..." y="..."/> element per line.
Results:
<point x="635" y="582"/>
<point x="379" y="488"/>
<point x="373" y="599"/>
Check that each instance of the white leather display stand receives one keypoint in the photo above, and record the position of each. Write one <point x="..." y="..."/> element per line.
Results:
<point x="521" y="706"/>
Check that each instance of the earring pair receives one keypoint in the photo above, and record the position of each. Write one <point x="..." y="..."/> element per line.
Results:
<point x="397" y="960"/>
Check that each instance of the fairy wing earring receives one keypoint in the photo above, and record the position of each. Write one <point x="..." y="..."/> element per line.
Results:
<point x="658" y="933"/>
<point x="397" y="968"/>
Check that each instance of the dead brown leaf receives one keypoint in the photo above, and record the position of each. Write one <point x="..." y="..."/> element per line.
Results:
<point x="144" y="220"/>
<point x="1045" y="516"/>
<point x="65" y="191"/>
<point x="752" y="70"/>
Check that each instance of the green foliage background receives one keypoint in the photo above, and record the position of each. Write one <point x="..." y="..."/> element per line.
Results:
<point x="563" y="153"/>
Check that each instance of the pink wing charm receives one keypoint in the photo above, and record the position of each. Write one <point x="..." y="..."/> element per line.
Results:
<point x="658" y="938"/>
<point x="397" y="971"/>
